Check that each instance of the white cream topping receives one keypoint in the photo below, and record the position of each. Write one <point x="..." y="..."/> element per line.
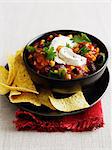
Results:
<point x="71" y="58"/>
<point x="65" y="55"/>
<point x="62" y="41"/>
<point x="59" y="60"/>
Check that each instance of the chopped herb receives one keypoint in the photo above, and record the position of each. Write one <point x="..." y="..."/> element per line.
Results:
<point x="50" y="54"/>
<point x="77" y="38"/>
<point x="81" y="38"/>
<point x="30" y="48"/>
<point x="84" y="50"/>
<point x="85" y="37"/>
<point x="68" y="45"/>
<point x="46" y="49"/>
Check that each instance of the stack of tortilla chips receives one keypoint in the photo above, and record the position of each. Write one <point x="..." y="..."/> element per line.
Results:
<point x="17" y="83"/>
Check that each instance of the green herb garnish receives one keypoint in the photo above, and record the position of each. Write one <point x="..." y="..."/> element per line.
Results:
<point x="81" y="38"/>
<point x="46" y="49"/>
<point x="30" y="48"/>
<point x="68" y="45"/>
<point x="85" y="37"/>
<point x="50" y="54"/>
<point x="84" y="50"/>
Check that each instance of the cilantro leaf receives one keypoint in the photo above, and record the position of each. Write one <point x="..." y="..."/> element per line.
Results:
<point x="77" y="39"/>
<point x="84" y="50"/>
<point x="85" y="37"/>
<point x="46" y="49"/>
<point x="30" y="48"/>
<point x="50" y="54"/>
<point x="68" y="45"/>
<point x="81" y="38"/>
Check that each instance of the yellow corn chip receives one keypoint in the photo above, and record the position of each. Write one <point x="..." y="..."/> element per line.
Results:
<point x="17" y="76"/>
<point x="75" y="102"/>
<point x="12" y="72"/>
<point x="3" y="80"/>
<point x="14" y="63"/>
<point x="22" y="78"/>
<point x="15" y="93"/>
<point x="43" y="97"/>
<point x="17" y="97"/>
<point x="13" y="88"/>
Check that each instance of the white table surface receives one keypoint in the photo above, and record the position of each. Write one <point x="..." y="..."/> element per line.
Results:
<point x="20" y="22"/>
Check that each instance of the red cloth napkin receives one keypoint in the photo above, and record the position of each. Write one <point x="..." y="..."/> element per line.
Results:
<point x="85" y="121"/>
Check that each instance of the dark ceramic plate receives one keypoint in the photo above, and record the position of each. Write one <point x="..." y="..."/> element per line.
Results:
<point x="92" y="94"/>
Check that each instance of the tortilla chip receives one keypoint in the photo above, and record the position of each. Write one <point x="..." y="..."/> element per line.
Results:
<point x="18" y="60"/>
<point x="11" y="75"/>
<point x="17" y="76"/>
<point x="14" y="63"/>
<point x="3" y="80"/>
<point x="43" y="97"/>
<point x="20" y="52"/>
<point x="15" y="93"/>
<point x="19" y="97"/>
<point x="13" y="88"/>
<point x="22" y="78"/>
<point x="75" y="102"/>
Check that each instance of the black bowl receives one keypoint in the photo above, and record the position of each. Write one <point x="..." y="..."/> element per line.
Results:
<point x="61" y="85"/>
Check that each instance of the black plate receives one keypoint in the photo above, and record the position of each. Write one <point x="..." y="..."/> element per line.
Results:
<point x="92" y="94"/>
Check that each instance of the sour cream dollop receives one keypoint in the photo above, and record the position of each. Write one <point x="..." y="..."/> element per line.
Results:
<point x="66" y="55"/>
<point x="71" y="58"/>
<point x="62" y="41"/>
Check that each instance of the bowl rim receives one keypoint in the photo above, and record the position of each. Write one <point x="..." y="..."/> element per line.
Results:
<point x="62" y="80"/>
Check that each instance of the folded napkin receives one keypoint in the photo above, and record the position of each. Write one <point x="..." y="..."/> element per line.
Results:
<point x="85" y="121"/>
